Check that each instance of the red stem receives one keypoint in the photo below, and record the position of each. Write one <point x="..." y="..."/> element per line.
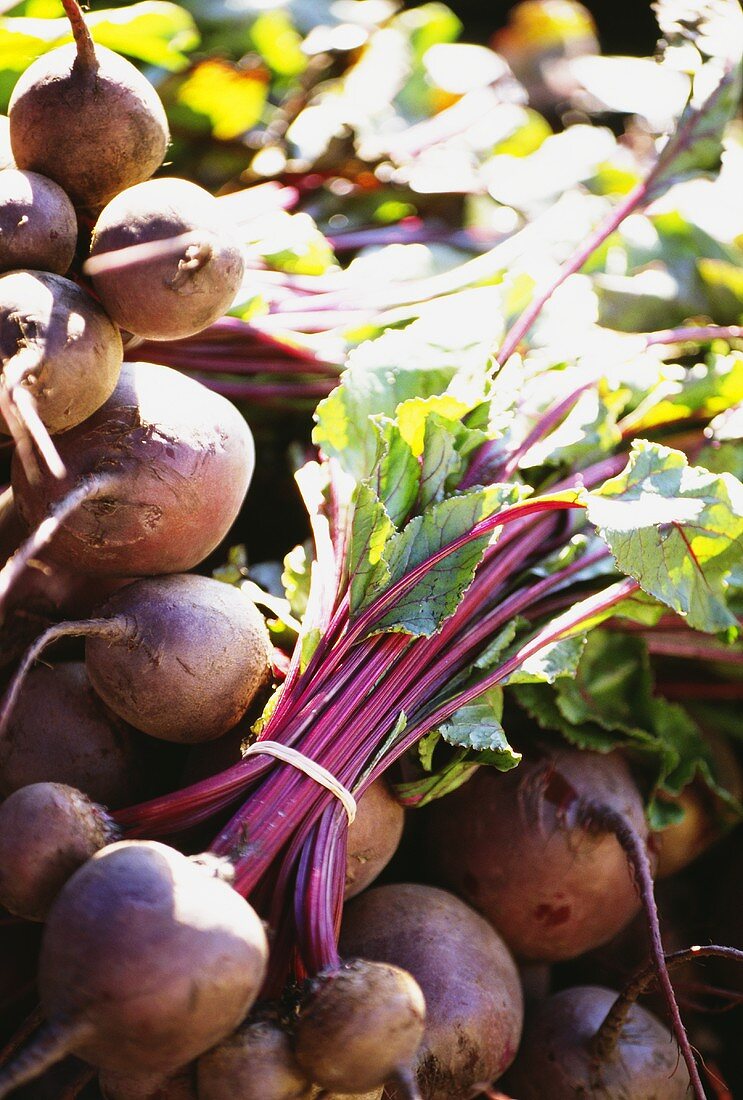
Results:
<point x="85" y="48"/>
<point x="694" y="334"/>
<point x="637" y="197"/>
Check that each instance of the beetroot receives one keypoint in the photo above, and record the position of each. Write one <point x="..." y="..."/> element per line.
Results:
<point x="147" y="960"/>
<point x="87" y="118"/>
<point x="191" y="655"/>
<point x="38" y="227"/>
<point x="179" y="657"/>
<point x="373" y="837"/>
<point x="174" y="290"/>
<point x="162" y="469"/>
<point x="556" y="1058"/>
<point x="60" y="355"/>
<point x="61" y="732"/>
<point x="474" y="1008"/>
<point x="551" y="886"/>
<point x="361" y="1026"/>
<point x="47" y="831"/>
<point x="256" y="1062"/>
<point x="557" y="857"/>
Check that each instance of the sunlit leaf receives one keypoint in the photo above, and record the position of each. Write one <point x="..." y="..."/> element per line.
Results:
<point x="278" y="42"/>
<point x="220" y="98"/>
<point x="675" y="528"/>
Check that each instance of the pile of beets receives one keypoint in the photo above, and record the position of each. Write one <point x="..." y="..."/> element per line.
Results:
<point x="154" y="971"/>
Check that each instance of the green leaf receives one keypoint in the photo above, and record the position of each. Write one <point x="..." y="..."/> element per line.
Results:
<point x="36" y="9"/>
<point x="478" y="728"/>
<point x="695" y="761"/>
<point x="23" y="40"/>
<point x="723" y="457"/>
<point x="296" y="579"/>
<point x="380" y="375"/>
<point x="531" y="130"/>
<point x="662" y="813"/>
<point x="235" y="569"/>
<point x="154" y="31"/>
<point x="425" y="749"/>
<point x="447" y="778"/>
<point x="494" y="652"/>
<point x="550" y="663"/>
<point x="677" y="529"/>
<point x="310" y="642"/>
<point x="579" y="546"/>
<point x="723" y="282"/>
<point x="471" y="737"/>
<point x="370" y="529"/>
<point x="540" y="703"/>
<point x="673" y="725"/>
<point x="558" y="165"/>
<point x="440" y="461"/>
<point x="278" y="43"/>
<point x="219" y="98"/>
<point x="427" y="25"/>
<point x="658" y="281"/>
<point x="612" y="686"/>
<point x="260" y="723"/>
<point x="652" y="299"/>
<point x="387" y="744"/>
<point x="423" y="609"/>
<point x="722" y="718"/>
<point x="397" y="473"/>
<point x="428" y="447"/>
<point x="412" y="416"/>
<point x="611" y="703"/>
<point x="448" y="362"/>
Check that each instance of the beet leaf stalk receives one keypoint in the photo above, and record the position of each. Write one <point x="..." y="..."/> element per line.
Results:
<point x="397" y="647"/>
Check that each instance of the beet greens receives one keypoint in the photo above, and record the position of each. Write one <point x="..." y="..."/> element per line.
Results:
<point x="474" y="522"/>
<point x="419" y="615"/>
<point x="490" y="527"/>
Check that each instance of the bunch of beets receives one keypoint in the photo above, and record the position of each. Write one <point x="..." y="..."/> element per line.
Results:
<point x="153" y="967"/>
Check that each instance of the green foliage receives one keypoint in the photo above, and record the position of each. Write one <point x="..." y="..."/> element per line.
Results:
<point x="611" y="703"/>
<point x="675" y="528"/>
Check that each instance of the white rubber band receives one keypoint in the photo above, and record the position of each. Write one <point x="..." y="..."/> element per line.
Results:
<point x="310" y="768"/>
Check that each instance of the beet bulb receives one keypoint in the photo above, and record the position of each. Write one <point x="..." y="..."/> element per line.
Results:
<point x="87" y="118"/>
<point x="147" y="960"/>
